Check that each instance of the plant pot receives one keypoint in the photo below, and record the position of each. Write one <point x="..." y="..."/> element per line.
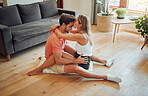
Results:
<point x="121" y="17"/>
<point x="121" y="12"/>
<point x="104" y="23"/>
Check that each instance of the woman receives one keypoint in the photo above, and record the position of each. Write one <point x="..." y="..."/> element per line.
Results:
<point x="83" y="46"/>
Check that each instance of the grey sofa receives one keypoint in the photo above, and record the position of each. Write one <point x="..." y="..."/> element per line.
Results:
<point x="23" y="26"/>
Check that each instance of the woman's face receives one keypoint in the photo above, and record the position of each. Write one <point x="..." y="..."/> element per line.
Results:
<point x="76" y="24"/>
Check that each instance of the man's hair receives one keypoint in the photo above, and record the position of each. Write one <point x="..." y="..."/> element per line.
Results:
<point x="66" y="18"/>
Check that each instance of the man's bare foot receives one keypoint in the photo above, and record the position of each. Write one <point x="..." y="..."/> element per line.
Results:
<point x="39" y="58"/>
<point x="34" y="72"/>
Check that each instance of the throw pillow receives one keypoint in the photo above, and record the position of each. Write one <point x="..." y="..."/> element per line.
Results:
<point x="9" y="16"/>
<point x="29" y="12"/>
<point x="48" y="8"/>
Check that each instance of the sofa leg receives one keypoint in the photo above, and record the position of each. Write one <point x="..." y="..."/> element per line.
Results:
<point x="8" y="57"/>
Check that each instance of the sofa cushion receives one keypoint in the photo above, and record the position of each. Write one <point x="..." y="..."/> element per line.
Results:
<point x="9" y="16"/>
<point x="33" y="29"/>
<point x="29" y="12"/>
<point x="31" y="42"/>
<point x="48" y="8"/>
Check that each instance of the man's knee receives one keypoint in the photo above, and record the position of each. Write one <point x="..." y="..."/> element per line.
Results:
<point x="77" y="69"/>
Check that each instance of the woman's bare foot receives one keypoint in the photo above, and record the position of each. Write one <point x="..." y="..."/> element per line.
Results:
<point x="34" y="72"/>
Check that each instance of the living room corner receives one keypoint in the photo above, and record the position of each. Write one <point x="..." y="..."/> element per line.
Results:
<point x="24" y="32"/>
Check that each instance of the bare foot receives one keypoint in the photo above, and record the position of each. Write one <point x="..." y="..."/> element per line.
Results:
<point x="34" y="72"/>
<point x="39" y="58"/>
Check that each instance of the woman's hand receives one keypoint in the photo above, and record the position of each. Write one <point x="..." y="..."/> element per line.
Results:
<point x="52" y="29"/>
<point x="58" y="33"/>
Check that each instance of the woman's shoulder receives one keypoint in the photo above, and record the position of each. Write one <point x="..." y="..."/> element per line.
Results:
<point x="85" y="36"/>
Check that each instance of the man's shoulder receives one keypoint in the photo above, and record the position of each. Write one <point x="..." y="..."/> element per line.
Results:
<point x="53" y="36"/>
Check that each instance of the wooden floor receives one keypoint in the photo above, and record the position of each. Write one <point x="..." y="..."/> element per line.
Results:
<point x="131" y="65"/>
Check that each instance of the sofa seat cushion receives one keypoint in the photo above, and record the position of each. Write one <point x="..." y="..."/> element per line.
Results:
<point x="29" y="12"/>
<point x="32" y="29"/>
<point x="48" y="8"/>
<point x="9" y="16"/>
<point x="31" y="42"/>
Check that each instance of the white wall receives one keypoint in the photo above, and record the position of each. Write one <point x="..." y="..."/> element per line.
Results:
<point x="82" y="6"/>
<point x="12" y="2"/>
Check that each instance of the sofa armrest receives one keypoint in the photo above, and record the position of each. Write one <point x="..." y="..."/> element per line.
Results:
<point x="2" y="26"/>
<point x="6" y="44"/>
<point x="71" y="12"/>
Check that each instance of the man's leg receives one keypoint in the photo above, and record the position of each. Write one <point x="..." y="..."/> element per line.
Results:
<point x="69" y="50"/>
<point x="74" y="68"/>
<point x="48" y="63"/>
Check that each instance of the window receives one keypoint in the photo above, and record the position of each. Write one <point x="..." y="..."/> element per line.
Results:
<point x="138" y="5"/>
<point x="114" y="3"/>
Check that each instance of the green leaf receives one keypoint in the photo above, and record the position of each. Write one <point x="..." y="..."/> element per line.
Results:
<point x="142" y="33"/>
<point x="145" y="16"/>
<point x="138" y="30"/>
<point x="138" y="26"/>
<point x="136" y="22"/>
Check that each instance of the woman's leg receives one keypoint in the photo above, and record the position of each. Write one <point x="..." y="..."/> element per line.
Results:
<point x="96" y="59"/>
<point x="74" y="68"/>
<point x="107" y="63"/>
<point x="71" y="51"/>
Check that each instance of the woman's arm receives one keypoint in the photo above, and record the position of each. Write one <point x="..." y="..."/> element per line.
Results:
<point x="71" y="37"/>
<point x="74" y="31"/>
<point x="52" y="29"/>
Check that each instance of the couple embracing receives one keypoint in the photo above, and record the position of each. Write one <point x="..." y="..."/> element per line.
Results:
<point x="61" y="58"/>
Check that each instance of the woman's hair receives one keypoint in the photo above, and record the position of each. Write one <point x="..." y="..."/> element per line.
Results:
<point x="85" y="28"/>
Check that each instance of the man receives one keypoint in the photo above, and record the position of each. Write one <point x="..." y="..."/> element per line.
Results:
<point x="65" y="63"/>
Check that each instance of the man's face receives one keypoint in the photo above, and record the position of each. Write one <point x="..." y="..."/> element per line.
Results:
<point x="69" y="27"/>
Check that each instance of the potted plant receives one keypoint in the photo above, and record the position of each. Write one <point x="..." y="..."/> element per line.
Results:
<point x="121" y="12"/>
<point x="142" y="26"/>
<point x="104" y="18"/>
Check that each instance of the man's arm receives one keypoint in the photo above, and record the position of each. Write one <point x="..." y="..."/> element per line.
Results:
<point x="59" y="59"/>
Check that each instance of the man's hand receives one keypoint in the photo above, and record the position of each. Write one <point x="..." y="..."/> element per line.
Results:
<point x="52" y="29"/>
<point x="82" y="60"/>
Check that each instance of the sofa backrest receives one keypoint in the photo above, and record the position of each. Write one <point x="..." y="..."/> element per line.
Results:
<point x="9" y="16"/>
<point x="18" y="14"/>
<point x="29" y="12"/>
<point x="48" y="8"/>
